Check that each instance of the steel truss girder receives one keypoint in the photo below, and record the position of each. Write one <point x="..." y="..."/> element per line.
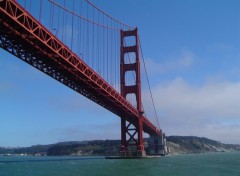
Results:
<point x="23" y="36"/>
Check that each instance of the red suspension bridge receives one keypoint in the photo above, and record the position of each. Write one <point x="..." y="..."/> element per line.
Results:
<point x="82" y="47"/>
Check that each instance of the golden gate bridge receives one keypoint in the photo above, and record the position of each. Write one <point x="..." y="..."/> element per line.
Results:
<point x="86" y="49"/>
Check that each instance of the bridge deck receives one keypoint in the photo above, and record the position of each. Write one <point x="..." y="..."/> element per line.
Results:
<point x="26" y="38"/>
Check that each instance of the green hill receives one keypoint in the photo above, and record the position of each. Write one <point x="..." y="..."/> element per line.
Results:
<point x="177" y="145"/>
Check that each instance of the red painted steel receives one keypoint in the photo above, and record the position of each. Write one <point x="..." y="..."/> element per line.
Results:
<point x="135" y="138"/>
<point x="23" y="36"/>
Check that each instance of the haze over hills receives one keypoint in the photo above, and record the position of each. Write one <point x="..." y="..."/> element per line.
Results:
<point x="177" y="145"/>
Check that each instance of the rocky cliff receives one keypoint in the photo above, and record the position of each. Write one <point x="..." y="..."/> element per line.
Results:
<point x="192" y="144"/>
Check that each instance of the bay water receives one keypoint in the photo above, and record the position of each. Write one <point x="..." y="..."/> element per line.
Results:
<point x="208" y="164"/>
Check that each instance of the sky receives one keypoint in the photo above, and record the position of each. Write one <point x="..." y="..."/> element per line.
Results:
<point x="192" y="54"/>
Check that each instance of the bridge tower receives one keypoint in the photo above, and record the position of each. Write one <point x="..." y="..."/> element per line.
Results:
<point x="132" y="143"/>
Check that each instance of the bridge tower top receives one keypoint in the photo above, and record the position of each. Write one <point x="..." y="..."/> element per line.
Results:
<point x="132" y="133"/>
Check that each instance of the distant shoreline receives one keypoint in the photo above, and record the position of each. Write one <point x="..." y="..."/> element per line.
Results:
<point x="177" y="144"/>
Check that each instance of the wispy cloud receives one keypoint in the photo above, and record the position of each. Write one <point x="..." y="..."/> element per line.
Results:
<point x="208" y="110"/>
<point x="215" y="99"/>
<point x="182" y="61"/>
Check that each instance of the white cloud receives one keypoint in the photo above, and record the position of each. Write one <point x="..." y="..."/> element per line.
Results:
<point x="184" y="60"/>
<point x="212" y="110"/>
<point x="213" y="99"/>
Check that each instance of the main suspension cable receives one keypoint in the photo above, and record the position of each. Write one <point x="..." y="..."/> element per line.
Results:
<point x="109" y="16"/>
<point x="149" y="83"/>
<point x="92" y="21"/>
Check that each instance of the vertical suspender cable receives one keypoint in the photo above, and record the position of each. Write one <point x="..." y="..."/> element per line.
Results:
<point x="50" y="17"/>
<point x="115" y="58"/>
<point x="93" y="40"/>
<point x="111" y="66"/>
<point x="30" y="6"/>
<point x="58" y="25"/>
<point x="53" y="19"/>
<point x="103" y="49"/>
<point x="98" y="50"/>
<point x="72" y="27"/>
<point x="63" y="27"/>
<point x="78" y="38"/>
<point x="24" y="4"/>
<point x="149" y="84"/>
<point x="40" y="13"/>
<point x="64" y="22"/>
<point x="87" y="39"/>
<point x="107" y="53"/>
<point x="82" y="28"/>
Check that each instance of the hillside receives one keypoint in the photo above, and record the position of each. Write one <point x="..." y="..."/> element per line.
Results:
<point x="177" y="145"/>
<point x="192" y="144"/>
